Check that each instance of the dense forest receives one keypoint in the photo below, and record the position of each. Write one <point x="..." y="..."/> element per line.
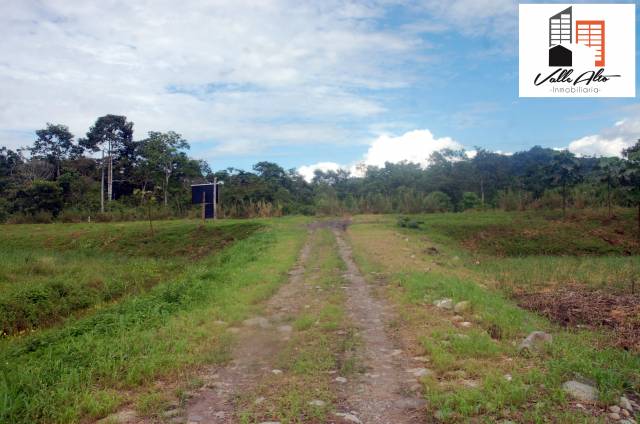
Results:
<point x="107" y="175"/>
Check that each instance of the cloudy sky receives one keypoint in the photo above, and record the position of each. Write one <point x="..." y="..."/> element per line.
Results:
<point x="328" y="82"/>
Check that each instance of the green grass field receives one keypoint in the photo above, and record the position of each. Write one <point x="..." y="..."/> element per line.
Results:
<point x="85" y="367"/>
<point x="484" y="258"/>
<point x="95" y="315"/>
<point x="52" y="271"/>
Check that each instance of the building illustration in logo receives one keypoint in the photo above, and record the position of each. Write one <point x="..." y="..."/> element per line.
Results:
<point x="589" y="33"/>
<point x="560" y="36"/>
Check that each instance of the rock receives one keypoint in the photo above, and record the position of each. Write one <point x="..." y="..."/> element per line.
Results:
<point x="457" y="318"/>
<point x="614" y="408"/>
<point x="624" y="403"/>
<point x="534" y="342"/>
<point x="347" y="417"/>
<point x="412" y="403"/>
<point x="462" y="306"/>
<point x="317" y="402"/>
<point x="257" y="322"/>
<point x="419" y="372"/>
<point x="341" y="380"/>
<point x="466" y="324"/>
<point x="614" y="416"/>
<point x="625" y="413"/>
<point x="259" y="400"/>
<point x="508" y="377"/>
<point x="420" y="358"/>
<point x="276" y="372"/>
<point x="444" y="304"/>
<point x="396" y="352"/>
<point x="580" y="391"/>
<point x="120" y="417"/>
<point x="171" y="413"/>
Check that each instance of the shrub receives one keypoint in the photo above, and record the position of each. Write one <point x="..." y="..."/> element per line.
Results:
<point x="437" y="201"/>
<point x="469" y="200"/>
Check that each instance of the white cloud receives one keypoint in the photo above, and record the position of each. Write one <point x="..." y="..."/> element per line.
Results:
<point x="307" y="171"/>
<point x="609" y="142"/>
<point x="246" y="73"/>
<point x="413" y="146"/>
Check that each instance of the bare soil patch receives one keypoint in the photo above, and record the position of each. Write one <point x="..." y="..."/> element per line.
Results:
<point x="578" y="306"/>
<point x="384" y="394"/>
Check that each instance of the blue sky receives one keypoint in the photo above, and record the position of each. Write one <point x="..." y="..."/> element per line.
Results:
<point x="335" y="83"/>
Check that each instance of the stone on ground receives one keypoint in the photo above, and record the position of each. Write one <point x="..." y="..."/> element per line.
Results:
<point x="257" y="322"/>
<point x="580" y="391"/>
<point x="317" y="402"/>
<point x="534" y="342"/>
<point x="462" y="306"/>
<point x="348" y="418"/>
<point x="444" y="304"/>
<point x="624" y="403"/>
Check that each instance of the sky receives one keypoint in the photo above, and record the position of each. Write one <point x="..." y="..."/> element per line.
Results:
<point x="306" y="84"/>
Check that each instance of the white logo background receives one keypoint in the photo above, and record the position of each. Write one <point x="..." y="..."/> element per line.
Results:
<point x="620" y="57"/>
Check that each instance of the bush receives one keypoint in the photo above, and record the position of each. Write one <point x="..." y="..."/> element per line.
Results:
<point x="469" y="200"/>
<point x="437" y="201"/>
<point x="407" y="222"/>
<point x="41" y="196"/>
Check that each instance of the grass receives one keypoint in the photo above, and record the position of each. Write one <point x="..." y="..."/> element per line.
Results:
<point x="318" y="351"/>
<point x="538" y="233"/>
<point x="73" y="372"/>
<point x="50" y="272"/>
<point x="478" y="377"/>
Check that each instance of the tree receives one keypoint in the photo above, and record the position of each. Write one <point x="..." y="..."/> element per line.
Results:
<point x="54" y="144"/>
<point x="631" y="175"/>
<point x="470" y="200"/>
<point x="9" y="161"/>
<point x="161" y="156"/>
<point x="41" y="196"/>
<point x="437" y="201"/>
<point x="116" y="134"/>
<point x="564" y="173"/>
<point x="609" y="171"/>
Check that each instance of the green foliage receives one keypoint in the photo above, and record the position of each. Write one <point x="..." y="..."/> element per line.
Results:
<point x="437" y="201"/>
<point x="470" y="200"/>
<point x="41" y="196"/>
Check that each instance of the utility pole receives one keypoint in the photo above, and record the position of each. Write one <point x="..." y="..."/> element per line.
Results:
<point x="102" y="184"/>
<point x="215" y="203"/>
<point x="110" y="176"/>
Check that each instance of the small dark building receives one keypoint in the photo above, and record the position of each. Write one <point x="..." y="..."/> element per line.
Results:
<point x="560" y="56"/>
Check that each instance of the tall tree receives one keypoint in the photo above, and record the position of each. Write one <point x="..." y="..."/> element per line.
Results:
<point x="564" y="173"/>
<point x="161" y="155"/>
<point x="631" y="175"/>
<point x="116" y="134"/>
<point x="54" y="144"/>
<point x="608" y="171"/>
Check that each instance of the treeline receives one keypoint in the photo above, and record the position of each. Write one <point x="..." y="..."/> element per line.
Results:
<point x="105" y="175"/>
<point x="63" y="178"/>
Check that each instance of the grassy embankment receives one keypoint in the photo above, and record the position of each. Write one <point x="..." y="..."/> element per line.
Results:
<point x="478" y="372"/>
<point x="89" y="365"/>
